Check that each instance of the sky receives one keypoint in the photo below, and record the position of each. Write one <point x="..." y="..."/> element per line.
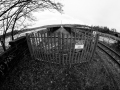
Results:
<point x="88" y="12"/>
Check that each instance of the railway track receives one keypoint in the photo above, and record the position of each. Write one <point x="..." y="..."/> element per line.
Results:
<point x="110" y="52"/>
<point x="111" y="62"/>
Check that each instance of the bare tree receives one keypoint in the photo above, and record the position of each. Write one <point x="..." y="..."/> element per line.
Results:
<point x="14" y="13"/>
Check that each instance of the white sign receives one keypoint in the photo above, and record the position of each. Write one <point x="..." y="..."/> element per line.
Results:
<point x="79" y="46"/>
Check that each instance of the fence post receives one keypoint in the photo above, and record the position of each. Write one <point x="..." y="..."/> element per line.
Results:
<point x="95" y="45"/>
<point x="29" y="46"/>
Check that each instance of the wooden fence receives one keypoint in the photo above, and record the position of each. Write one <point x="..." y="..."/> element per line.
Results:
<point x="62" y="47"/>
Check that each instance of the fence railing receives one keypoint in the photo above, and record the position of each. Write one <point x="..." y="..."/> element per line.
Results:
<point x="62" y="48"/>
<point x="10" y="58"/>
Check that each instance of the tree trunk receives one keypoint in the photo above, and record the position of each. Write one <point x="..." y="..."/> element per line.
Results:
<point x="3" y="45"/>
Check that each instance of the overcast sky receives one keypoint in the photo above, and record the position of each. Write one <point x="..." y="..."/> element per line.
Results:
<point x="89" y="12"/>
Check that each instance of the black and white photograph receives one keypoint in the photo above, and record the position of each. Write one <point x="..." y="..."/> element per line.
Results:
<point x="59" y="45"/>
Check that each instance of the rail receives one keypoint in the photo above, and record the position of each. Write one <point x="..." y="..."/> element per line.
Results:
<point x="106" y="43"/>
<point x="110" y="52"/>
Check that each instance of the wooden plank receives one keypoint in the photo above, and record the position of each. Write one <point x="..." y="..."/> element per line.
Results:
<point x="73" y="49"/>
<point x="59" y="46"/>
<point x="83" y="51"/>
<point x="52" y="51"/>
<point x="90" y="48"/>
<point x="29" y="45"/>
<point x="79" y="54"/>
<point x="95" y="45"/>
<point x="33" y="45"/>
<point x="70" y="51"/>
<point x="76" y="37"/>
<point x="39" y="41"/>
<point x="47" y="50"/>
<point x="42" y="46"/>
<point x="36" y="48"/>
<point x="87" y="49"/>
<point x="66" y="50"/>
<point x="63" y="48"/>
<point x="55" y="47"/>
<point x="67" y="53"/>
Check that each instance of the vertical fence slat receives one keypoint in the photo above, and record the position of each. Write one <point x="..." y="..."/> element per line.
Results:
<point x="70" y="51"/>
<point x="80" y="52"/>
<point x="36" y="47"/>
<point x="29" y="45"/>
<point x="95" y="45"/>
<point x="52" y="48"/>
<point x="67" y="48"/>
<point x="39" y="46"/>
<point x="77" y="51"/>
<point x="49" y="51"/>
<point x="60" y="48"/>
<point x="42" y="45"/>
<point x="92" y="46"/>
<point x="86" y="49"/>
<point x="83" y="51"/>
<point x="55" y="48"/>
<point x="89" y="48"/>
<point x="46" y="44"/>
<point x="33" y="45"/>
<point x="63" y="48"/>
<point x="45" y="54"/>
<point x="75" y="40"/>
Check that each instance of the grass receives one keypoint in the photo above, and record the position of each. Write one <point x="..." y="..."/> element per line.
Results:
<point x="36" y="75"/>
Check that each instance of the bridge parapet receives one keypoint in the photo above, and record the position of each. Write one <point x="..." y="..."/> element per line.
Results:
<point x="11" y="57"/>
<point x="110" y="40"/>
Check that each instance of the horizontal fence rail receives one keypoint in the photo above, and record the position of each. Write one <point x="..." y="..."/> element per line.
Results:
<point x="62" y="48"/>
